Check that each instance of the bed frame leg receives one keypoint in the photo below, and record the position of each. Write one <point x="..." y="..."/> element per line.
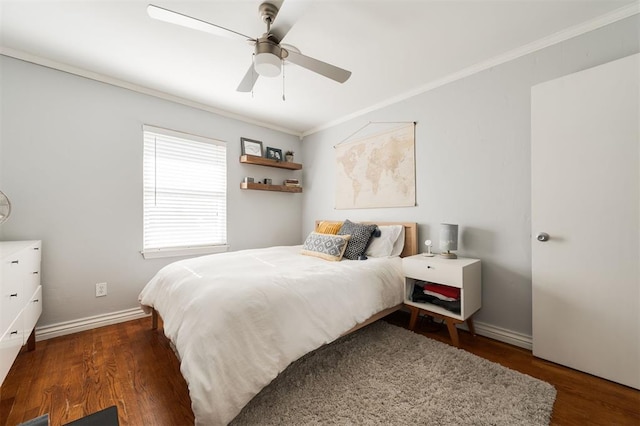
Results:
<point x="154" y="319"/>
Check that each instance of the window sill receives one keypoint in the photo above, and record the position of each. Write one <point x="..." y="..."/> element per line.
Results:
<point x="183" y="251"/>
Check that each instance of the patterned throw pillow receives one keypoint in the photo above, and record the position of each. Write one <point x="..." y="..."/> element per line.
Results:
<point x="325" y="246"/>
<point x="326" y="227"/>
<point x="360" y="236"/>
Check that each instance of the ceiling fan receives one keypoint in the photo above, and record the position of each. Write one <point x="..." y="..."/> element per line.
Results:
<point x="269" y="53"/>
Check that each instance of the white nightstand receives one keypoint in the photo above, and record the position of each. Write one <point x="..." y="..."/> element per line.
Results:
<point x="463" y="273"/>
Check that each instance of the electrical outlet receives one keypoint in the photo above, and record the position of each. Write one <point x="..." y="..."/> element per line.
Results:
<point x="101" y="289"/>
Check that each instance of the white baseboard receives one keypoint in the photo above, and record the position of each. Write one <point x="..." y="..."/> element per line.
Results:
<point x="68" y="327"/>
<point x="500" y="334"/>
<point x="503" y="335"/>
<point x="82" y="324"/>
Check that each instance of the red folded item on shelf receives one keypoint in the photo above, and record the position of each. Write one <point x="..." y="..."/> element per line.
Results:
<point x="452" y="292"/>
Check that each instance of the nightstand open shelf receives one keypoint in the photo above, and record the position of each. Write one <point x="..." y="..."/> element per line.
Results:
<point x="463" y="273"/>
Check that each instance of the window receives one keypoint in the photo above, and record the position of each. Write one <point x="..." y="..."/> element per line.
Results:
<point x="185" y="194"/>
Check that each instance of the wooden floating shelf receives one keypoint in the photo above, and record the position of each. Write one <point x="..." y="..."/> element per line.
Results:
<point x="265" y="187"/>
<point x="261" y="161"/>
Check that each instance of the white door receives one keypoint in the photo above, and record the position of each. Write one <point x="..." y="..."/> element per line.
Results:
<point x="585" y="194"/>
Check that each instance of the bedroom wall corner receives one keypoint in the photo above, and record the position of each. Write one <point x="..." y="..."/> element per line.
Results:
<point x="71" y="160"/>
<point x="473" y="166"/>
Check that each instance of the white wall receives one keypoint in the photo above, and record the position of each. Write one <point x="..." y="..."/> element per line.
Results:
<point x="473" y="164"/>
<point x="71" y="163"/>
<point x="71" y="155"/>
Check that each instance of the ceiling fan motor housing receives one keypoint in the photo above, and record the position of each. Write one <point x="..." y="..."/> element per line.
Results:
<point x="268" y="59"/>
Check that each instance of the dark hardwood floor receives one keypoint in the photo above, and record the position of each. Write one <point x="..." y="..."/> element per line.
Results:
<point x="134" y="368"/>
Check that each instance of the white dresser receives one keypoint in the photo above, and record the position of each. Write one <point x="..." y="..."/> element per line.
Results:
<point x="20" y="299"/>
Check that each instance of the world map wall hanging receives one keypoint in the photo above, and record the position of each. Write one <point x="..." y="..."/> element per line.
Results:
<point x="378" y="170"/>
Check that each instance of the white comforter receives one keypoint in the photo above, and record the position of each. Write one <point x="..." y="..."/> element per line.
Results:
<point x="238" y="319"/>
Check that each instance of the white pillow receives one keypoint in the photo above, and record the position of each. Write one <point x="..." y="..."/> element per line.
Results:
<point x="399" y="244"/>
<point x="385" y="244"/>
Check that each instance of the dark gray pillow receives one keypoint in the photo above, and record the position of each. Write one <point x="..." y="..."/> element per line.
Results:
<point x="360" y="236"/>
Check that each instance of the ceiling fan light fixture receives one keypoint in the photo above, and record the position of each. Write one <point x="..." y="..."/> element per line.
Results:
<point x="267" y="64"/>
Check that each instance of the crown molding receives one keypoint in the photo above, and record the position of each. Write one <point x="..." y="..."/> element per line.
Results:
<point x="537" y="45"/>
<point x="563" y="35"/>
<point x="70" y="69"/>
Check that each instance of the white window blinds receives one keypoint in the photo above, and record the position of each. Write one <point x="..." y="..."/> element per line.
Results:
<point x="185" y="192"/>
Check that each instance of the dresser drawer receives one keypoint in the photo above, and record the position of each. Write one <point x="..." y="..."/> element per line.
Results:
<point x="12" y="301"/>
<point x="12" y="272"/>
<point x="433" y="270"/>
<point x="10" y="344"/>
<point x="32" y="312"/>
<point x="20" y="277"/>
<point x="30" y="264"/>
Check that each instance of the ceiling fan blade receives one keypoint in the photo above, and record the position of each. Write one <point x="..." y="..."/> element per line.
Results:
<point x="176" y="18"/>
<point x="288" y="14"/>
<point x="250" y="78"/>
<point x="331" y="71"/>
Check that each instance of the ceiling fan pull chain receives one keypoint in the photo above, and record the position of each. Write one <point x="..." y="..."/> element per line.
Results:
<point x="283" y="99"/>
<point x="253" y="71"/>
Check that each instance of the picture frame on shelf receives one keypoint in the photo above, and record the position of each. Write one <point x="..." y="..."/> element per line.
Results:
<point x="274" y="153"/>
<point x="251" y="147"/>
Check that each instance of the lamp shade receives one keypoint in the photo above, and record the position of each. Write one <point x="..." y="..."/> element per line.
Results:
<point x="448" y="236"/>
<point x="267" y="64"/>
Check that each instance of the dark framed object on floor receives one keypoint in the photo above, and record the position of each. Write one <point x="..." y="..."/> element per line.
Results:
<point x="106" y="417"/>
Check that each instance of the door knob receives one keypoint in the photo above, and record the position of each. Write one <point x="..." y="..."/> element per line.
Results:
<point x="543" y="236"/>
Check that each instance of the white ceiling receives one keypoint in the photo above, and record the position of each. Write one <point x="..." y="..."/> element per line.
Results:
<point x="393" y="48"/>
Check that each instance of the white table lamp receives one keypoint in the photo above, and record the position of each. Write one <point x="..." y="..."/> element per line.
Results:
<point x="448" y="240"/>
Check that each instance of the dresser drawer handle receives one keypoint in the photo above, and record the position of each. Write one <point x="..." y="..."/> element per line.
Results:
<point x="13" y="295"/>
<point x="430" y="267"/>
<point x="36" y="248"/>
<point x="36" y="300"/>
<point x="15" y="261"/>
<point x="36" y="272"/>
<point x="14" y="332"/>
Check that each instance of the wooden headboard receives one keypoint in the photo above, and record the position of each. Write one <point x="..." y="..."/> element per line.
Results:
<point x="410" y="235"/>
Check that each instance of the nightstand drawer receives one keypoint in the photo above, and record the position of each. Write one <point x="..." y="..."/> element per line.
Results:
<point x="433" y="270"/>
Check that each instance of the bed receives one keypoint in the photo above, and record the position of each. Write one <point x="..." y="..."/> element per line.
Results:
<point x="238" y="319"/>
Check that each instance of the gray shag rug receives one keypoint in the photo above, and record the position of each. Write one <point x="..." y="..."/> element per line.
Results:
<point x="383" y="374"/>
